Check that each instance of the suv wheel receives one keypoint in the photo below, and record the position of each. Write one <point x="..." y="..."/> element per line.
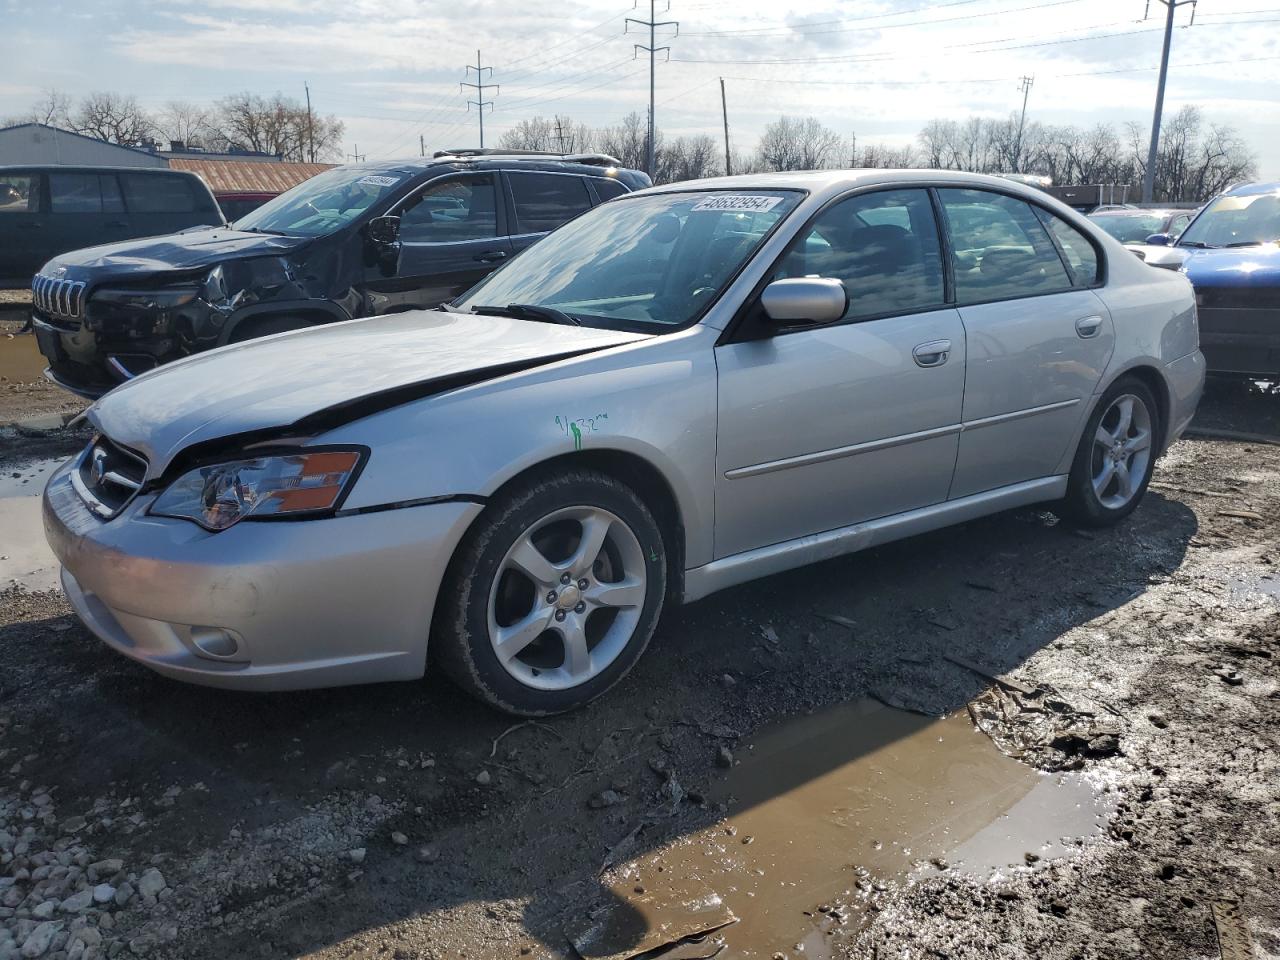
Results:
<point x="1116" y="456"/>
<point x="553" y="595"/>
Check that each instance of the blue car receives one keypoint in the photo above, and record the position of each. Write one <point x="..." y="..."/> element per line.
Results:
<point x="1231" y="255"/>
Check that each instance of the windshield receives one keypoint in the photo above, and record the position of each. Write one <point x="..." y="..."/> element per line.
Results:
<point x="322" y="204"/>
<point x="639" y="263"/>
<point x="1130" y="229"/>
<point x="1236" y="222"/>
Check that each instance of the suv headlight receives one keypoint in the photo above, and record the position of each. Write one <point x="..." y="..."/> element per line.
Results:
<point x="288" y="485"/>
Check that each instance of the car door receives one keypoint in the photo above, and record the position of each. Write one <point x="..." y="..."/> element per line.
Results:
<point x="161" y="203"/>
<point x="84" y="209"/>
<point x="541" y="201"/>
<point x="25" y="239"/>
<point x="826" y="426"/>
<point x="452" y="235"/>
<point x="1038" y="337"/>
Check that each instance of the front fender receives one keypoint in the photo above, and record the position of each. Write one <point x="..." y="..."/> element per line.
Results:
<point x="655" y="399"/>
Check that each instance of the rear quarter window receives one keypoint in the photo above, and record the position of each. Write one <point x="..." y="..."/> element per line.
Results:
<point x="546" y="200"/>
<point x="608" y="189"/>
<point x="151" y="194"/>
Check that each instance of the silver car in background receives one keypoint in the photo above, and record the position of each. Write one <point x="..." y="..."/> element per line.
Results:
<point x="679" y="391"/>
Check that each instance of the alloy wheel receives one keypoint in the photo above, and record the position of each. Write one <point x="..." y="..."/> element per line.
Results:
<point x="567" y="598"/>
<point x="1121" y="451"/>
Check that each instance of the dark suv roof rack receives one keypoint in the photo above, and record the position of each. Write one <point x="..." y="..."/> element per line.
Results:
<point x="593" y="159"/>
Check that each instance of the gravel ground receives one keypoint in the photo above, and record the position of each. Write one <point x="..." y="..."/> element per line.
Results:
<point x="139" y="817"/>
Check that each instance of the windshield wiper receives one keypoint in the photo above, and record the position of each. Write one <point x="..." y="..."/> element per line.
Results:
<point x="1244" y="243"/>
<point x="272" y="233"/>
<point x="528" y="311"/>
<point x="1193" y="243"/>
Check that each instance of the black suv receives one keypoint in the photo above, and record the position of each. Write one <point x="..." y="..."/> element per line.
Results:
<point x="45" y="211"/>
<point x="354" y="241"/>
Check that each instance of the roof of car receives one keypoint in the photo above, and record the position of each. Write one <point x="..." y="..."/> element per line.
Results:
<point x="1140" y="212"/>
<point x="414" y="165"/>
<point x="1253" y="189"/>
<point x="92" y="168"/>
<point x="833" y="181"/>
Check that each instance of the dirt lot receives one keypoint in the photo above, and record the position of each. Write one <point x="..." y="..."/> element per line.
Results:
<point x="24" y="393"/>
<point x="779" y="757"/>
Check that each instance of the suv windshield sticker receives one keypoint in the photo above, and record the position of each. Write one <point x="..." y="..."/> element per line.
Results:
<point x="379" y="181"/>
<point x="738" y="203"/>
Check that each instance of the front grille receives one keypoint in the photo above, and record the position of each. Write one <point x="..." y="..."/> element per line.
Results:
<point x="58" y="298"/>
<point x="1239" y="298"/>
<point x="108" y="476"/>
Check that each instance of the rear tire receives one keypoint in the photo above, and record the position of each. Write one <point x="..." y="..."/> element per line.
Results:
<point x="1116" y="456"/>
<point x="553" y="595"/>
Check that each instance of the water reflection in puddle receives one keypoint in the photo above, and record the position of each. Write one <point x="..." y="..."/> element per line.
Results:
<point x="826" y="809"/>
<point x="20" y="359"/>
<point x="25" y="557"/>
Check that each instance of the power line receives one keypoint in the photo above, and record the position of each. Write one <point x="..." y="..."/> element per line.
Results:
<point x="652" y="23"/>
<point x="480" y="87"/>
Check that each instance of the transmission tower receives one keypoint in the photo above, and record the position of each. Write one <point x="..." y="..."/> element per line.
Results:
<point x="653" y="50"/>
<point x="357" y="156"/>
<point x="1149" y="181"/>
<point x="480" y="87"/>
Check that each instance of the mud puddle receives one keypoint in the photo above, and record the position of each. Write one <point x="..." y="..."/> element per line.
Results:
<point x="20" y="359"/>
<point x="826" y="813"/>
<point x="25" y="557"/>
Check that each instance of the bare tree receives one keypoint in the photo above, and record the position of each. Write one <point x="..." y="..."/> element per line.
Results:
<point x="277" y="125"/>
<point x="113" y="117"/>
<point x="189" y="123"/>
<point x="627" y="141"/>
<point x="799" y="143"/>
<point x="559" y="134"/>
<point x="53" y="109"/>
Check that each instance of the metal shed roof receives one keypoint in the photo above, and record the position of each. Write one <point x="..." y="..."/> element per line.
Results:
<point x="249" y="176"/>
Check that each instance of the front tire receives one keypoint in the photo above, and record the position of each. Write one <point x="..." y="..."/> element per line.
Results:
<point x="553" y="595"/>
<point x="1116" y="456"/>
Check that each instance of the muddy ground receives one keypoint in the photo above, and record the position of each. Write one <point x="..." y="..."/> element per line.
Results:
<point x="747" y="769"/>
<point x="24" y="392"/>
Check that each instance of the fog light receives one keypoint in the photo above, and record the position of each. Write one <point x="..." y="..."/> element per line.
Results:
<point x="215" y="642"/>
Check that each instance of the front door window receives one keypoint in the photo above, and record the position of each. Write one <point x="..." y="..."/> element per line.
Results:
<point x="451" y="212"/>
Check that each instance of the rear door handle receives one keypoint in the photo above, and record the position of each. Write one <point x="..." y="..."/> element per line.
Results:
<point x="932" y="354"/>
<point x="1088" y="327"/>
<point x="492" y="256"/>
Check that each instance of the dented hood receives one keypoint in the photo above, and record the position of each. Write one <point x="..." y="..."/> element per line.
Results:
<point x="193" y="249"/>
<point x="326" y="375"/>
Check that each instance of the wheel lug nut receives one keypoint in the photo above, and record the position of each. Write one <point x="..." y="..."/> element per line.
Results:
<point x="551" y="596"/>
<point x="566" y="579"/>
<point x="582" y="584"/>
<point x="559" y="615"/>
<point x="580" y="608"/>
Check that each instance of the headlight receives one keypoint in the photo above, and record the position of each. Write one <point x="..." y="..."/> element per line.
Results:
<point x="164" y="298"/>
<point x="297" y="484"/>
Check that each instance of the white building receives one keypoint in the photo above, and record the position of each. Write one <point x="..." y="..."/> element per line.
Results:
<point x="38" y="144"/>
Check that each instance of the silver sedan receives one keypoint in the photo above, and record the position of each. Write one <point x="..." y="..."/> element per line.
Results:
<point x="681" y="390"/>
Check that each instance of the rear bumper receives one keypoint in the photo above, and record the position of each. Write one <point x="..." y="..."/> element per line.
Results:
<point x="261" y="606"/>
<point x="1241" y="340"/>
<point x="1186" y="383"/>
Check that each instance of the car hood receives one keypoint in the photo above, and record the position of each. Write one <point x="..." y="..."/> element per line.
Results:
<point x="175" y="252"/>
<point x="304" y="382"/>
<point x="1236" y="267"/>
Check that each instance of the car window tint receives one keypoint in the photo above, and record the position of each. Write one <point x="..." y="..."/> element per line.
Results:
<point x="450" y="212"/>
<point x="1080" y="254"/>
<point x="883" y="246"/>
<point x="999" y="248"/>
<point x="546" y="200"/>
<point x="150" y="194"/>
<point x="608" y="188"/>
<point x="112" y="201"/>
<point x="75" y="193"/>
<point x="19" y="193"/>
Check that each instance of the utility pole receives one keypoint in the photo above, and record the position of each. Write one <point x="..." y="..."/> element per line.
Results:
<point x="311" y="139"/>
<point x="559" y="137"/>
<point x="853" y="149"/>
<point x="356" y="156"/>
<point x="652" y="49"/>
<point x="724" y="109"/>
<point x="1149" y="180"/>
<point x="422" y="145"/>
<point x="1024" y="84"/>
<point x="480" y="87"/>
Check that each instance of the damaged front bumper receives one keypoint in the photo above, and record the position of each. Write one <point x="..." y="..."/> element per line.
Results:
<point x="262" y="605"/>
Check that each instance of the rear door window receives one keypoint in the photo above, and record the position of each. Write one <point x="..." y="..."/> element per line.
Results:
<point x="75" y="193"/>
<point x="999" y="247"/>
<point x="546" y="200"/>
<point x="882" y="246"/>
<point x="459" y="209"/>
<point x="608" y="189"/>
<point x="152" y="194"/>
<point x="1081" y="255"/>
<point x="19" y="193"/>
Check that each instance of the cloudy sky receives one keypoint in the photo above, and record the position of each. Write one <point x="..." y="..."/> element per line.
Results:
<point x="883" y="68"/>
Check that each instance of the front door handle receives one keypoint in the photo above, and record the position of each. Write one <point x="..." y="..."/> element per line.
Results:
<point x="1088" y="327"/>
<point x="932" y="354"/>
<point x="492" y="256"/>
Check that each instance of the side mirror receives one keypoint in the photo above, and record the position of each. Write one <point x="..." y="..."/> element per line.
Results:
<point x="384" y="230"/>
<point x="805" y="300"/>
<point x="1159" y="240"/>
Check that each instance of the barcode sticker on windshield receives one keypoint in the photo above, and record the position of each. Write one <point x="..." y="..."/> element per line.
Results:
<point x="738" y="203"/>
<point x="379" y="181"/>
